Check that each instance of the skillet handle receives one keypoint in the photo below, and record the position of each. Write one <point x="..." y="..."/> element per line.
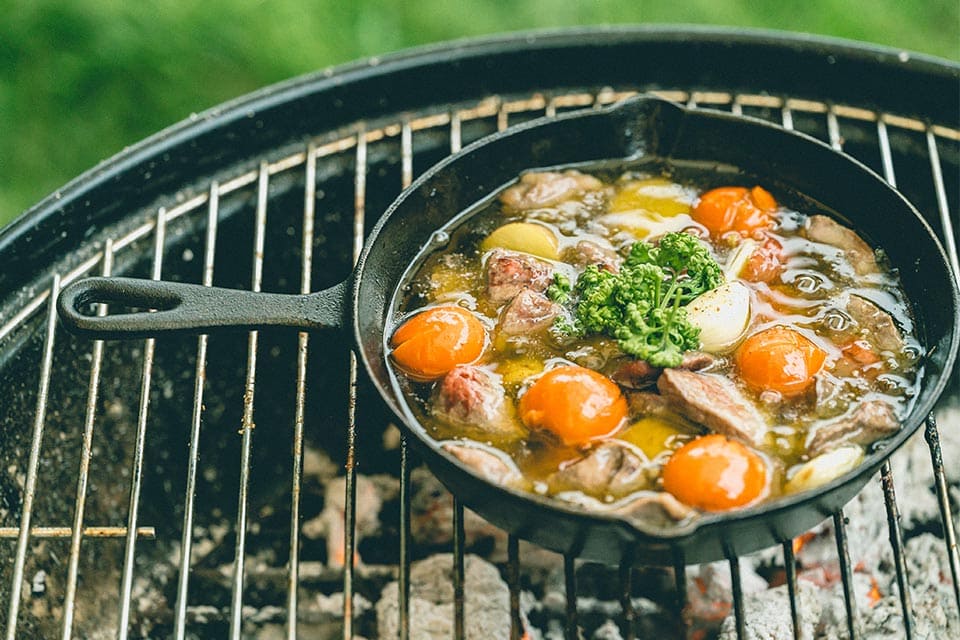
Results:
<point x="192" y="308"/>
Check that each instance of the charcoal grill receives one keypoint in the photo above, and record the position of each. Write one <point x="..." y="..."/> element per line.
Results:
<point x="113" y="455"/>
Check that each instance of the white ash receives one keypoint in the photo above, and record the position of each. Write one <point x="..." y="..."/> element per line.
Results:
<point x="555" y="603"/>
<point x="269" y="632"/>
<point x="607" y="631"/>
<point x="205" y="540"/>
<point x="710" y="592"/>
<point x="486" y="601"/>
<point x="319" y="617"/>
<point x="391" y="438"/>
<point x="252" y="615"/>
<point x="39" y="583"/>
<point x="825" y="617"/>
<point x="719" y="583"/>
<point x="279" y="632"/>
<point x="599" y="609"/>
<point x="331" y="523"/>
<point x="322" y="607"/>
<point x="202" y="614"/>
<point x="318" y="465"/>
<point x="767" y="614"/>
<point x="927" y="562"/>
<point x="431" y="517"/>
<point x="883" y="619"/>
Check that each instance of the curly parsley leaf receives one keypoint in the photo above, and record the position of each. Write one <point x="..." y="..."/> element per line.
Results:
<point x="642" y="305"/>
<point x="560" y="290"/>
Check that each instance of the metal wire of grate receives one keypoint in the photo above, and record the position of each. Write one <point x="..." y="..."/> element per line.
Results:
<point x="356" y="144"/>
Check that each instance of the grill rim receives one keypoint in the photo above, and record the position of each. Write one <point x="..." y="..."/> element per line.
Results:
<point x="175" y="148"/>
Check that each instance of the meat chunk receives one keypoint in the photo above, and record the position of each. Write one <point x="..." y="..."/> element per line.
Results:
<point x="696" y="360"/>
<point x="869" y="422"/>
<point x="510" y="272"/>
<point x="638" y="374"/>
<point x="649" y="404"/>
<point x="548" y="188"/>
<point x="494" y="467"/>
<point x="528" y="312"/>
<point x="472" y="396"/>
<point x="714" y="402"/>
<point x="587" y="252"/>
<point x="828" y="231"/>
<point x="609" y="469"/>
<point x="880" y="328"/>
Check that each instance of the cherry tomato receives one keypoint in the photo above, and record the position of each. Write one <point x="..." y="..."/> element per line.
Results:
<point x="715" y="473"/>
<point x="779" y="359"/>
<point x="575" y="404"/>
<point x="434" y="341"/>
<point x="739" y="209"/>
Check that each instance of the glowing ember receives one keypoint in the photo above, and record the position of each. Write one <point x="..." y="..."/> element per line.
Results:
<point x="802" y="539"/>
<point x="874" y="594"/>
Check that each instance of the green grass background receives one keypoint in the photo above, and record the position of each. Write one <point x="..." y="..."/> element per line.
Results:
<point x="81" y="79"/>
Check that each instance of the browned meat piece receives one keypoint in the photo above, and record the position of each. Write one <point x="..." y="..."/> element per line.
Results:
<point x="473" y="396"/>
<point x="869" y="422"/>
<point x="637" y="374"/>
<point x="696" y="360"/>
<point x="609" y="469"/>
<point x="510" y="272"/>
<point x="528" y="312"/>
<point x="828" y="231"/>
<point x="646" y="403"/>
<point x="880" y="328"/>
<point x="587" y="252"/>
<point x="548" y="188"/>
<point x="656" y="508"/>
<point x="496" y="468"/>
<point x="714" y="402"/>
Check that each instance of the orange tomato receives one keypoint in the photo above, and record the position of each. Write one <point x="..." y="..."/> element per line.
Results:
<point x="715" y="473"/>
<point x="575" y="404"/>
<point x="434" y="341"/>
<point x="779" y="359"/>
<point x="735" y="209"/>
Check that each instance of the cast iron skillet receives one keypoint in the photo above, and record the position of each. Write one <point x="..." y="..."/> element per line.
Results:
<point x="744" y="150"/>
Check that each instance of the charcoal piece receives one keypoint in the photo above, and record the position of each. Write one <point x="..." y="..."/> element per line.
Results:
<point x="486" y="601"/>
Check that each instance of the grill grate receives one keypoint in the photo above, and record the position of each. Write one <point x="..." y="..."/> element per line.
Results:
<point x="789" y="111"/>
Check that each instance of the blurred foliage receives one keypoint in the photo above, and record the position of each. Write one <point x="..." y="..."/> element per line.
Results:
<point x="80" y="79"/>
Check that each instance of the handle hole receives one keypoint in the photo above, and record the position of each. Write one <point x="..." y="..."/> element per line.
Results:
<point x="91" y="308"/>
